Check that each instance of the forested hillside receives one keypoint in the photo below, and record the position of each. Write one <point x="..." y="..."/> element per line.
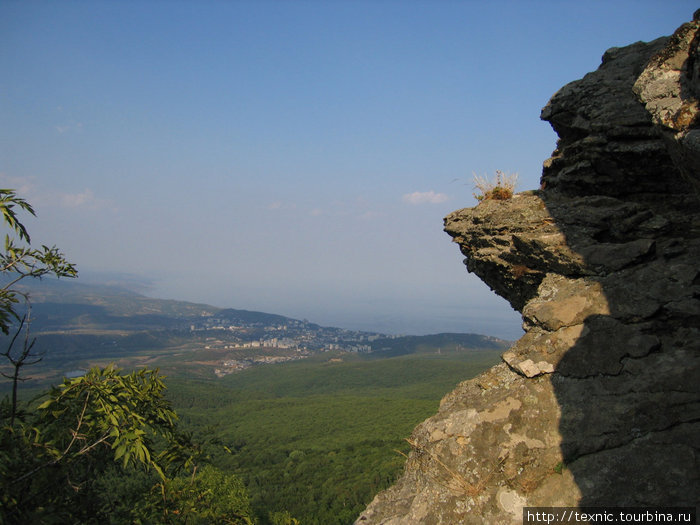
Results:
<point x="320" y="438"/>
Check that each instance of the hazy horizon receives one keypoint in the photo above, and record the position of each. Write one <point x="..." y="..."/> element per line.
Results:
<point x="291" y="157"/>
<point x="405" y="322"/>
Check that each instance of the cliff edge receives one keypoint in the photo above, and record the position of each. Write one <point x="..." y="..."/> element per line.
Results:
<point x="598" y="404"/>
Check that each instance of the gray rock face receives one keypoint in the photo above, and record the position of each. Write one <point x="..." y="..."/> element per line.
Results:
<point x="603" y="127"/>
<point x="668" y="87"/>
<point x="599" y="402"/>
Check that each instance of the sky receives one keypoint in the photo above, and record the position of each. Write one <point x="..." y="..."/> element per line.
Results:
<point x="294" y="157"/>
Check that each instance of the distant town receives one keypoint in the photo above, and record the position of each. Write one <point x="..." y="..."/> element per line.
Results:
<point x="258" y="342"/>
<point x="80" y="326"/>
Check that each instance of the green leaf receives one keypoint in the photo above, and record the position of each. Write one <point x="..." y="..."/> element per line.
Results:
<point x="45" y="404"/>
<point x="120" y="451"/>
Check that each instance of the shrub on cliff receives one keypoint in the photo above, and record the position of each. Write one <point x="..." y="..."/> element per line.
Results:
<point x="500" y="188"/>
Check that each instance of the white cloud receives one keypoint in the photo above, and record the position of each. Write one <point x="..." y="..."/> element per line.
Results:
<point x="424" y="197"/>
<point x="40" y="197"/>
<point x="67" y="122"/>
<point x="85" y="200"/>
<point x="76" y="200"/>
<point x="78" y="126"/>
<point x="23" y="186"/>
<point x="279" y="205"/>
<point x="369" y="215"/>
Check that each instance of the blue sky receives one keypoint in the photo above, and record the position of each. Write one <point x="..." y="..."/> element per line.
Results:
<point x="295" y="157"/>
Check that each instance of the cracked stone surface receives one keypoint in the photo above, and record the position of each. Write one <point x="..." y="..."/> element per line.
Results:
<point x="599" y="402"/>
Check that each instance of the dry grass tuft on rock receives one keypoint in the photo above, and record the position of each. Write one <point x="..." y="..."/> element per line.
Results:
<point x="500" y="188"/>
<point x="445" y="476"/>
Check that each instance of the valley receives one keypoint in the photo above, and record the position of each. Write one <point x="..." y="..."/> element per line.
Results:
<point x="78" y="326"/>
<point x="314" y="420"/>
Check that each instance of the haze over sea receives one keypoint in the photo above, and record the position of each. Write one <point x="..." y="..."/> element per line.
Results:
<point x="290" y="157"/>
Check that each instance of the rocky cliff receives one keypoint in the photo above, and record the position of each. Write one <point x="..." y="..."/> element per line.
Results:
<point x="599" y="402"/>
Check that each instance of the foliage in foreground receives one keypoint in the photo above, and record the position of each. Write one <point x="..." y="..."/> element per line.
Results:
<point x="20" y="261"/>
<point x="104" y="448"/>
<point x="92" y="449"/>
